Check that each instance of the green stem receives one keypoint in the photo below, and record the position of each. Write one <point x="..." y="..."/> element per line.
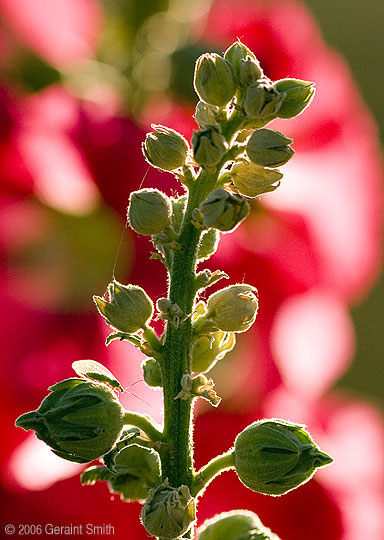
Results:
<point x="144" y="423"/>
<point x="207" y="473"/>
<point x="177" y="463"/>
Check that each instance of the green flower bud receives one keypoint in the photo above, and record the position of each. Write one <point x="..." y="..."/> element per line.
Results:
<point x="168" y="512"/>
<point x="298" y="95"/>
<point x="233" y="526"/>
<point x="213" y="80"/>
<point x="234" y="308"/>
<point x="223" y="211"/>
<point x="149" y="211"/>
<point x="207" y="350"/>
<point x="209" y="146"/>
<point x="79" y="420"/>
<point x="252" y="180"/>
<point x="261" y="101"/>
<point x="137" y="470"/>
<point x="269" y="148"/>
<point x="276" y="456"/>
<point x="206" y="114"/>
<point x="165" y="149"/>
<point x="249" y="71"/>
<point x="152" y="372"/>
<point x="129" y="307"/>
<point x="238" y="52"/>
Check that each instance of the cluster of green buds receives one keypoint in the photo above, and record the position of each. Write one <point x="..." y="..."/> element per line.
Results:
<point x="232" y="157"/>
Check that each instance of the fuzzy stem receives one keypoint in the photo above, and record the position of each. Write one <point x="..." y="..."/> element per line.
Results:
<point x="177" y="464"/>
<point x="144" y="423"/>
<point x="207" y="473"/>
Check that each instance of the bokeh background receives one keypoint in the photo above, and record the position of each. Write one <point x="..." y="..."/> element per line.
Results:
<point x="81" y="82"/>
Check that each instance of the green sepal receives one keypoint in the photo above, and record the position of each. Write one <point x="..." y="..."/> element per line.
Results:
<point x="97" y="473"/>
<point x="127" y="437"/>
<point x="208" y="244"/>
<point x="178" y="206"/>
<point x="123" y="336"/>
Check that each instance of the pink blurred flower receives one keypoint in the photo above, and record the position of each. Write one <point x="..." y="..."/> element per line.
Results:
<point x="61" y="32"/>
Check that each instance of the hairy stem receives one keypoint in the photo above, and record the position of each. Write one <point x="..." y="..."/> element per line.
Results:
<point x="144" y="423"/>
<point x="207" y="473"/>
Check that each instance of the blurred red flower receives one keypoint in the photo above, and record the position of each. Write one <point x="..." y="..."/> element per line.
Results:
<point x="312" y="248"/>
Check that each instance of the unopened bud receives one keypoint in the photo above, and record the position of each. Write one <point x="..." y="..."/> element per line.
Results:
<point x="298" y="95"/>
<point x="168" y="512"/>
<point x="223" y="211"/>
<point x="129" y="307"/>
<point x="249" y="71"/>
<point x="234" y="308"/>
<point x="252" y="180"/>
<point x="276" y="456"/>
<point x="152" y="372"/>
<point x="79" y="420"/>
<point x="209" y="146"/>
<point x="261" y="101"/>
<point x="235" y="525"/>
<point x="206" y="114"/>
<point x="149" y="211"/>
<point x="238" y="52"/>
<point x="208" y="349"/>
<point x="165" y="149"/>
<point x="269" y="148"/>
<point x="213" y="80"/>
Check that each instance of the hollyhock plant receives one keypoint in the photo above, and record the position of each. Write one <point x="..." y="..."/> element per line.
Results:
<point x="307" y="268"/>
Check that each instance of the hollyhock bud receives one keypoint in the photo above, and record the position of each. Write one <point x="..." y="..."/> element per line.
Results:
<point x="269" y="148"/>
<point x="149" y="211"/>
<point x="252" y="180"/>
<point x="235" y="525"/>
<point x="208" y="349"/>
<point x="223" y="211"/>
<point x="135" y="471"/>
<point x="165" y="148"/>
<point x="209" y="146"/>
<point x="239" y="56"/>
<point x="152" y="372"/>
<point x="261" y="102"/>
<point x="276" y="456"/>
<point x="79" y="420"/>
<point x="249" y="71"/>
<point x="206" y="114"/>
<point x="213" y="80"/>
<point x="298" y="95"/>
<point x="234" y="308"/>
<point x="129" y="307"/>
<point x="168" y="512"/>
